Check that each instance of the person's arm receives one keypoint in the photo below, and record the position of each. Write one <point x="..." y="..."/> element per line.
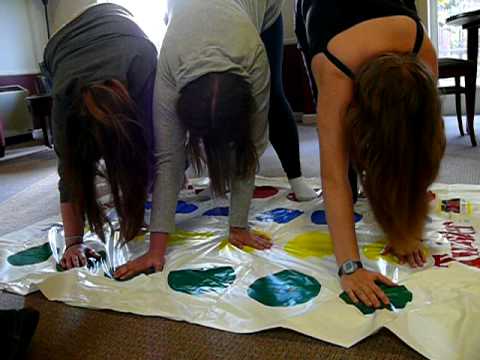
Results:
<point x="242" y="193"/>
<point x="429" y="56"/>
<point x="73" y="223"/>
<point x="335" y="95"/>
<point x="72" y="217"/>
<point x="169" y="156"/>
<point x="170" y="136"/>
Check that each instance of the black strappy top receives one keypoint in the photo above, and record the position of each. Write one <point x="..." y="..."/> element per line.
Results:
<point x="318" y="21"/>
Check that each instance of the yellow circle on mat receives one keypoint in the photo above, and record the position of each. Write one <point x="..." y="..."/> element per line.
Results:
<point x="314" y="243"/>
<point x="374" y="250"/>
<point x="181" y="236"/>
<point x="225" y="244"/>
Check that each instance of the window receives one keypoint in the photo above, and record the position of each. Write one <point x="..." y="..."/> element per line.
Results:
<point x="451" y="40"/>
<point x="149" y="14"/>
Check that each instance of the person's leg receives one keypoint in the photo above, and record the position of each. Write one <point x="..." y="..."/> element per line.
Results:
<point x="282" y="126"/>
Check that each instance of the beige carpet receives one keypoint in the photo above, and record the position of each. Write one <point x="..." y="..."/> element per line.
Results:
<point x="71" y="333"/>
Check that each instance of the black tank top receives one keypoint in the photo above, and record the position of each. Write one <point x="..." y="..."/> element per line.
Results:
<point x="318" y="21"/>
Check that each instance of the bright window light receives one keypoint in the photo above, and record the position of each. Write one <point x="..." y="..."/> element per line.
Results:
<point x="149" y="14"/>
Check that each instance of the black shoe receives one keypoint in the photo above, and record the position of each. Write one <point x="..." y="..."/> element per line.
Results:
<point x="17" y="329"/>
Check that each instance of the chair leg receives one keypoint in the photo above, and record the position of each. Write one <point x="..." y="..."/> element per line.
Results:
<point x="470" y="85"/>
<point x="458" y="105"/>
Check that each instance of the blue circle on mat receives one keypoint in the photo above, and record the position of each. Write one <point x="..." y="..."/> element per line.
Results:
<point x="280" y="215"/>
<point x="185" y="208"/>
<point x="219" y="211"/>
<point x="319" y="217"/>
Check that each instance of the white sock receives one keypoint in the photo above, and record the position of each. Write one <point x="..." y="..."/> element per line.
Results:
<point x="303" y="192"/>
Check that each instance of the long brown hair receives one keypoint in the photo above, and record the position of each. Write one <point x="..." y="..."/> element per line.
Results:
<point x="397" y="140"/>
<point x="216" y="110"/>
<point x="105" y="125"/>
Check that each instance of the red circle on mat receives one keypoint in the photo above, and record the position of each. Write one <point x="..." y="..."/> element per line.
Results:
<point x="262" y="192"/>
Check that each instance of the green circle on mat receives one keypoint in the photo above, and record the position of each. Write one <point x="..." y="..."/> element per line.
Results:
<point x="285" y="288"/>
<point x="399" y="297"/>
<point x="201" y="281"/>
<point x="31" y="256"/>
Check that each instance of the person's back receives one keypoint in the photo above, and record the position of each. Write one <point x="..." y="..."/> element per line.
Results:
<point x="223" y="37"/>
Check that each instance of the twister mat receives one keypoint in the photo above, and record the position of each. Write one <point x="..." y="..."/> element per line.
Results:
<point x="206" y="281"/>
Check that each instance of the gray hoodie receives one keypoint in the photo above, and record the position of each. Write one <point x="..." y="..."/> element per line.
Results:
<point x="205" y="36"/>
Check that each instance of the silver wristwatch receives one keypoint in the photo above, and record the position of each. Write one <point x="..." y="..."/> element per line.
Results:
<point x="349" y="267"/>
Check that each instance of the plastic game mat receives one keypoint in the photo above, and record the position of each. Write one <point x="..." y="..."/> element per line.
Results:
<point x="206" y="281"/>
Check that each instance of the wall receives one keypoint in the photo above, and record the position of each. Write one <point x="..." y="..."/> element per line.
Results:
<point x="423" y="10"/>
<point x="23" y="36"/>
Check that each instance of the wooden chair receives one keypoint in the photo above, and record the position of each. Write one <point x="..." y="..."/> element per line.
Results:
<point x="458" y="68"/>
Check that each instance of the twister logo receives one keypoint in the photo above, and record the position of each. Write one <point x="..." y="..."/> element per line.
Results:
<point x="463" y="247"/>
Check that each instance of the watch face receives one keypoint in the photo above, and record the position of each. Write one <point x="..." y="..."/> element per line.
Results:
<point x="350" y="267"/>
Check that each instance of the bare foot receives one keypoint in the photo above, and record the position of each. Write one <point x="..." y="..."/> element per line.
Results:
<point x="240" y="237"/>
<point x="145" y="264"/>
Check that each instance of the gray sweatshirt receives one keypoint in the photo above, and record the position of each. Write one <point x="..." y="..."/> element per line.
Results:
<point x="102" y="43"/>
<point x="205" y="36"/>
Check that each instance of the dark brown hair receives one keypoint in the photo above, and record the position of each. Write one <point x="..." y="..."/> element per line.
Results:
<point x="105" y="125"/>
<point x="216" y="110"/>
<point x="397" y="141"/>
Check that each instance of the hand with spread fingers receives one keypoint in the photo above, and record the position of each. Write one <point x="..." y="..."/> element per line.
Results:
<point x="411" y="253"/>
<point x="241" y="237"/>
<point x="151" y="262"/>
<point x="360" y="287"/>
<point x="76" y="255"/>
<point x="146" y="264"/>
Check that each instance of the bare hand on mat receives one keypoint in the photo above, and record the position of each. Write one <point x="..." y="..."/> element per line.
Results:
<point x="412" y="253"/>
<point x="360" y="287"/>
<point x="150" y="262"/>
<point x="76" y="256"/>
<point x="240" y="237"/>
<point x="145" y="264"/>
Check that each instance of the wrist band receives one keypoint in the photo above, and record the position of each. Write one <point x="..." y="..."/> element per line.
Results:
<point x="73" y="240"/>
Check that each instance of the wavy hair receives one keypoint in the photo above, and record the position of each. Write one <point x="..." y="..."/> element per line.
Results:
<point x="397" y="140"/>
<point x="105" y="125"/>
